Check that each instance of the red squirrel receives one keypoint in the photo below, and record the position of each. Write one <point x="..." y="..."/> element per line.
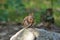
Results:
<point x="28" y="20"/>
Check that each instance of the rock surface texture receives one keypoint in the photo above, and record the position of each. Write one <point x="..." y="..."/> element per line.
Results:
<point x="35" y="34"/>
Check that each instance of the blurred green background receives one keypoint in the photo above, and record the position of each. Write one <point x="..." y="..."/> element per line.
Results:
<point x="16" y="10"/>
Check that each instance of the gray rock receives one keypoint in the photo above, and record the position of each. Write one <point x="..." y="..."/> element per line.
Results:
<point x="3" y="33"/>
<point x="32" y="33"/>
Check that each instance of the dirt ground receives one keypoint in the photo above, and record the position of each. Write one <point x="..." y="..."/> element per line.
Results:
<point x="6" y="31"/>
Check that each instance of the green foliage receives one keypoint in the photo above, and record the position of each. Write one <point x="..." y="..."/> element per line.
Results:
<point x="15" y="10"/>
<point x="3" y="15"/>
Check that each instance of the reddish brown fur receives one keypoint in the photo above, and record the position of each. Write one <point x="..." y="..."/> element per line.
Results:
<point x="28" y="20"/>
